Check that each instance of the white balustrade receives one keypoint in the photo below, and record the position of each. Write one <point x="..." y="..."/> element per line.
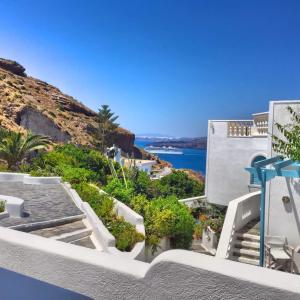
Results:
<point x="247" y="128"/>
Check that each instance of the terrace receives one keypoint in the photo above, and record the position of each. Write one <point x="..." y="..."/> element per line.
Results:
<point x="249" y="128"/>
<point x="49" y="208"/>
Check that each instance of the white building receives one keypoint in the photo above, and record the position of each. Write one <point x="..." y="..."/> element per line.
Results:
<point x="232" y="146"/>
<point x="141" y="164"/>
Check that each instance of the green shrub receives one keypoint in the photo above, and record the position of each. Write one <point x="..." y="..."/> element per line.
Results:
<point x="181" y="185"/>
<point x="140" y="204"/>
<point x="165" y="217"/>
<point x="117" y="189"/>
<point x="211" y="216"/>
<point x="288" y="144"/>
<point x="2" y="206"/>
<point x="198" y="229"/>
<point x="125" y="234"/>
<point x="88" y="193"/>
<point x="41" y="172"/>
<point x="103" y="205"/>
<point x="76" y="175"/>
<point x="142" y="184"/>
<point x="87" y="164"/>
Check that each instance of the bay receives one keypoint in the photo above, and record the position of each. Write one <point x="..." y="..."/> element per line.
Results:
<point x="194" y="159"/>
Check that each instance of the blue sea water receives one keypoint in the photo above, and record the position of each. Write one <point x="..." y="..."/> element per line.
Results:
<point x="194" y="159"/>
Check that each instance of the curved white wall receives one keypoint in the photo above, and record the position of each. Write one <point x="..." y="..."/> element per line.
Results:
<point x="175" y="274"/>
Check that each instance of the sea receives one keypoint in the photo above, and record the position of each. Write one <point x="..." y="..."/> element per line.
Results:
<point x="194" y="159"/>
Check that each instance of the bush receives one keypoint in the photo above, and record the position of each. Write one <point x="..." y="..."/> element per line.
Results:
<point x="125" y="234"/>
<point x="211" y="216"/>
<point x="2" y="206"/>
<point x="72" y="163"/>
<point x="103" y="205"/>
<point x="181" y="185"/>
<point x="198" y="229"/>
<point x="76" y="175"/>
<point x="288" y="144"/>
<point x="117" y="189"/>
<point x="165" y="217"/>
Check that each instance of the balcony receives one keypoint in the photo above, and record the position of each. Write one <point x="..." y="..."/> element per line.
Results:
<point x="249" y="128"/>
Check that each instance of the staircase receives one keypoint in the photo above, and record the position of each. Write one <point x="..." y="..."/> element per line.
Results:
<point x="76" y="232"/>
<point x="246" y="245"/>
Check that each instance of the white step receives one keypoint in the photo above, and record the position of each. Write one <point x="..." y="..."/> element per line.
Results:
<point x="73" y="236"/>
<point x="246" y="260"/>
<point x="248" y="236"/>
<point x="246" y="244"/>
<point x="254" y="254"/>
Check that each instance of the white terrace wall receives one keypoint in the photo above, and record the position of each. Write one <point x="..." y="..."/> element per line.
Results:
<point x="102" y="234"/>
<point x="282" y="219"/>
<point x="240" y="211"/>
<point x="175" y="274"/>
<point x="227" y="157"/>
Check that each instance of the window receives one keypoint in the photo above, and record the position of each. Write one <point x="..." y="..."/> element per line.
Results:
<point x="254" y="179"/>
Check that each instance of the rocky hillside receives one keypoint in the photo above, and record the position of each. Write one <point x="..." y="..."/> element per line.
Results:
<point x="29" y="103"/>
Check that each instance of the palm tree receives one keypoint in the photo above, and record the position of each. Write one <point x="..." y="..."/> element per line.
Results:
<point x="15" y="146"/>
<point x="106" y="125"/>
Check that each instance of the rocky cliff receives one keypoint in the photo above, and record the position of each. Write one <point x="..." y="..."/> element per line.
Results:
<point x="29" y="103"/>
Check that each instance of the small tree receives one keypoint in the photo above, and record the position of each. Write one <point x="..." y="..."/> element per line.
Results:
<point x="106" y="126"/>
<point x="14" y="147"/>
<point x="289" y="144"/>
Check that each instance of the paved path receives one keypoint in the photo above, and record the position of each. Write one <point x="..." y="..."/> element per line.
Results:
<point x="41" y="202"/>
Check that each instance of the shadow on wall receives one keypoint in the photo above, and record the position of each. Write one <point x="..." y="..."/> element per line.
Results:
<point x="290" y="206"/>
<point x="14" y="286"/>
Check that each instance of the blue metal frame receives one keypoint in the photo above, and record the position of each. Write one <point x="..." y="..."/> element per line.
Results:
<point x="264" y="174"/>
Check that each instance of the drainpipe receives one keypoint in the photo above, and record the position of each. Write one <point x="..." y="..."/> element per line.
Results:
<point x="262" y="219"/>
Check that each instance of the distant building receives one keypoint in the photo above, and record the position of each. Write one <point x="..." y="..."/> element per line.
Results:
<point x="141" y="164"/>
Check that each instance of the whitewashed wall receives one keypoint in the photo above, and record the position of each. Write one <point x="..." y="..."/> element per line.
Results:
<point x="240" y="211"/>
<point x="282" y="219"/>
<point x="226" y="178"/>
<point x="175" y="274"/>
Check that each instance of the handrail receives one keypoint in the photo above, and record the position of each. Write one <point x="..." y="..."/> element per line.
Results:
<point x="240" y="211"/>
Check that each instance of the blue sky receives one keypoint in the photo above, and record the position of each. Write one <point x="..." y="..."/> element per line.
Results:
<point x="164" y="66"/>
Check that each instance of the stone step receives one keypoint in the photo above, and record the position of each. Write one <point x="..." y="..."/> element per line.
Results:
<point x="247" y="236"/>
<point x="59" y="230"/>
<point x="246" y="244"/>
<point x="36" y="226"/>
<point x="246" y="252"/>
<point x="73" y="236"/>
<point x="247" y="260"/>
<point x="84" y="242"/>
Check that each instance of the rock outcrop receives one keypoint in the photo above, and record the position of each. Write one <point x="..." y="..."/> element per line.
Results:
<point x="12" y="66"/>
<point x="29" y="103"/>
